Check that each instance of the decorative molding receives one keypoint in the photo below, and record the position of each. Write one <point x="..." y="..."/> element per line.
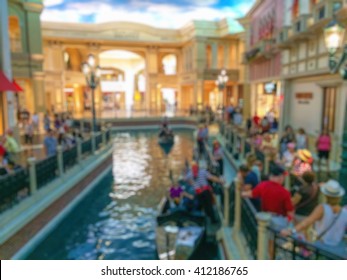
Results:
<point x="33" y="7"/>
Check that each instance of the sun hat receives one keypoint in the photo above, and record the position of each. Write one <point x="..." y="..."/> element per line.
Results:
<point x="305" y="155"/>
<point x="332" y="188"/>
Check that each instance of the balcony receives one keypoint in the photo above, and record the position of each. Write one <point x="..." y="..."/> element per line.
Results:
<point x="263" y="50"/>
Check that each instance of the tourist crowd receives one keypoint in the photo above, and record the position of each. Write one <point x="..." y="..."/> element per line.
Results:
<point x="58" y="131"/>
<point x="310" y="210"/>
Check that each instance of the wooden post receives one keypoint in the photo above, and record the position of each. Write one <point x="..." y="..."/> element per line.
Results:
<point x="264" y="220"/>
<point x="32" y="175"/>
<point x="238" y="205"/>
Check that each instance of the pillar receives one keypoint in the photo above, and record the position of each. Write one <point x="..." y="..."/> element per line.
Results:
<point x="9" y="113"/>
<point x="60" y="161"/>
<point x="198" y="93"/>
<point x="226" y="205"/>
<point x="238" y="205"/>
<point x="214" y="56"/>
<point x="226" y="56"/>
<point x="304" y="7"/>
<point x="32" y="175"/>
<point x="152" y="63"/>
<point x="263" y="223"/>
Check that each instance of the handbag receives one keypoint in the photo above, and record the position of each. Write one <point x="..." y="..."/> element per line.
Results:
<point x="317" y="237"/>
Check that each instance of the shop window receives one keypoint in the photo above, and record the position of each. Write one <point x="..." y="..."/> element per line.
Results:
<point x="15" y="34"/>
<point x="329" y="105"/>
<point x="170" y="64"/>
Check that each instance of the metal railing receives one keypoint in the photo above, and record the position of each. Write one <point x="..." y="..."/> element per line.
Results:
<point x="46" y="171"/>
<point x="249" y="225"/>
<point x="25" y="182"/>
<point x="293" y="248"/>
<point x="13" y="188"/>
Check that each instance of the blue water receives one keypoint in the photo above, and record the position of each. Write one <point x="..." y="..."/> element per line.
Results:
<point x="116" y="221"/>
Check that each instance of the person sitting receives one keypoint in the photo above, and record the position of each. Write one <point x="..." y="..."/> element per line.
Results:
<point x="329" y="219"/>
<point x="176" y="195"/>
<point x="165" y="131"/>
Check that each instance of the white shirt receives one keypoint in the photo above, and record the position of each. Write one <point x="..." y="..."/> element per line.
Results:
<point x="336" y="233"/>
<point x="35" y="119"/>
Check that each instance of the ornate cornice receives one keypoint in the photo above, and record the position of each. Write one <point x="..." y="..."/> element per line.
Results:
<point x="33" y="7"/>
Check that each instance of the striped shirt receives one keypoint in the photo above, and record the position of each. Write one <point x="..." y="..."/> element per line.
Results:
<point x="201" y="180"/>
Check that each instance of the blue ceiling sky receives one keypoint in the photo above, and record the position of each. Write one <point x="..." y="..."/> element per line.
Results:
<point x="160" y="13"/>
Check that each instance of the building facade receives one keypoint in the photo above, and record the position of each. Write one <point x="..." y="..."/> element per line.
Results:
<point x="143" y="68"/>
<point x="24" y="41"/>
<point x="314" y="99"/>
<point x="262" y="57"/>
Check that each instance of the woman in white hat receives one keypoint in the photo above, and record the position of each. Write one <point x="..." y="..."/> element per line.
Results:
<point x="330" y="220"/>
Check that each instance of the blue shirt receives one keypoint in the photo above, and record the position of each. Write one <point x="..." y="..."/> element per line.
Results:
<point x="51" y="145"/>
<point x="251" y="179"/>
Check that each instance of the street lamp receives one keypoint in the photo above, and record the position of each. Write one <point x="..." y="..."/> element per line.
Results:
<point x="92" y="74"/>
<point x="221" y="83"/>
<point x="334" y="35"/>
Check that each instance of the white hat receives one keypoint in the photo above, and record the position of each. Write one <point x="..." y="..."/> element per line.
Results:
<point x="332" y="188"/>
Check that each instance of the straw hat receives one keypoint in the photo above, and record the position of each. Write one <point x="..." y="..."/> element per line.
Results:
<point x="332" y="188"/>
<point x="305" y="155"/>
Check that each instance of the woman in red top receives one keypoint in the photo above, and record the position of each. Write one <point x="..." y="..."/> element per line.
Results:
<point x="323" y="145"/>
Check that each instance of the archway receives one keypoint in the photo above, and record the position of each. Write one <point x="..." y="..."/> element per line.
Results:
<point x="121" y="72"/>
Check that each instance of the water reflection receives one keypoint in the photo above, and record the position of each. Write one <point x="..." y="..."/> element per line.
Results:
<point x="117" y="220"/>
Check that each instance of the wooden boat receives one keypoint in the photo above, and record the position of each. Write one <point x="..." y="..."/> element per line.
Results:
<point x="179" y="234"/>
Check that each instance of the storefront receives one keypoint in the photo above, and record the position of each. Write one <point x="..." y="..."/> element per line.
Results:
<point x="267" y="98"/>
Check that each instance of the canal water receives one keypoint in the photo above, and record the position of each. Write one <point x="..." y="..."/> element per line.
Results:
<point x="116" y="221"/>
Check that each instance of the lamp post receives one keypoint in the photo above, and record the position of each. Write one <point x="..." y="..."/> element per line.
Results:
<point x="92" y="74"/>
<point x="221" y="84"/>
<point x="334" y="35"/>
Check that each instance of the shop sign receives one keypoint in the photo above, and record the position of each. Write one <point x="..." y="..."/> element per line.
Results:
<point x="304" y="97"/>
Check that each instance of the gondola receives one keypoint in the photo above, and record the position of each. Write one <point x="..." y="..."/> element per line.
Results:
<point x="168" y="139"/>
<point x="179" y="234"/>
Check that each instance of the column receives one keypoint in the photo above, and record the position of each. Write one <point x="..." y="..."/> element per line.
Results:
<point x="214" y="56"/>
<point x="198" y="92"/>
<point x="200" y="56"/>
<point x="151" y="77"/>
<point x="226" y="56"/>
<point x="5" y="64"/>
<point x="263" y="222"/>
<point x="34" y="49"/>
<point x="287" y="15"/>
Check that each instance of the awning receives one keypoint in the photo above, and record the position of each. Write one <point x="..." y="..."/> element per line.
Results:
<point x="5" y="84"/>
<point x="18" y="87"/>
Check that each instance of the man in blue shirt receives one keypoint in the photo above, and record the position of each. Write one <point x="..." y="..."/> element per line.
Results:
<point x="50" y="143"/>
<point x="250" y="181"/>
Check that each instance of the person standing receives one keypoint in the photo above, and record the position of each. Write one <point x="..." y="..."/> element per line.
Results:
<point x="287" y="137"/>
<point x="329" y="219"/>
<point x="35" y="120"/>
<point x="50" y="144"/>
<point x="28" y="132"/>
<point x="323" y="145"/>
<point x="11" y="144"/>
<point x="274" y="199"/>
<point x="218" y="156"/>
<point x="301" y="140"/>
<point x="46" y="122"/>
